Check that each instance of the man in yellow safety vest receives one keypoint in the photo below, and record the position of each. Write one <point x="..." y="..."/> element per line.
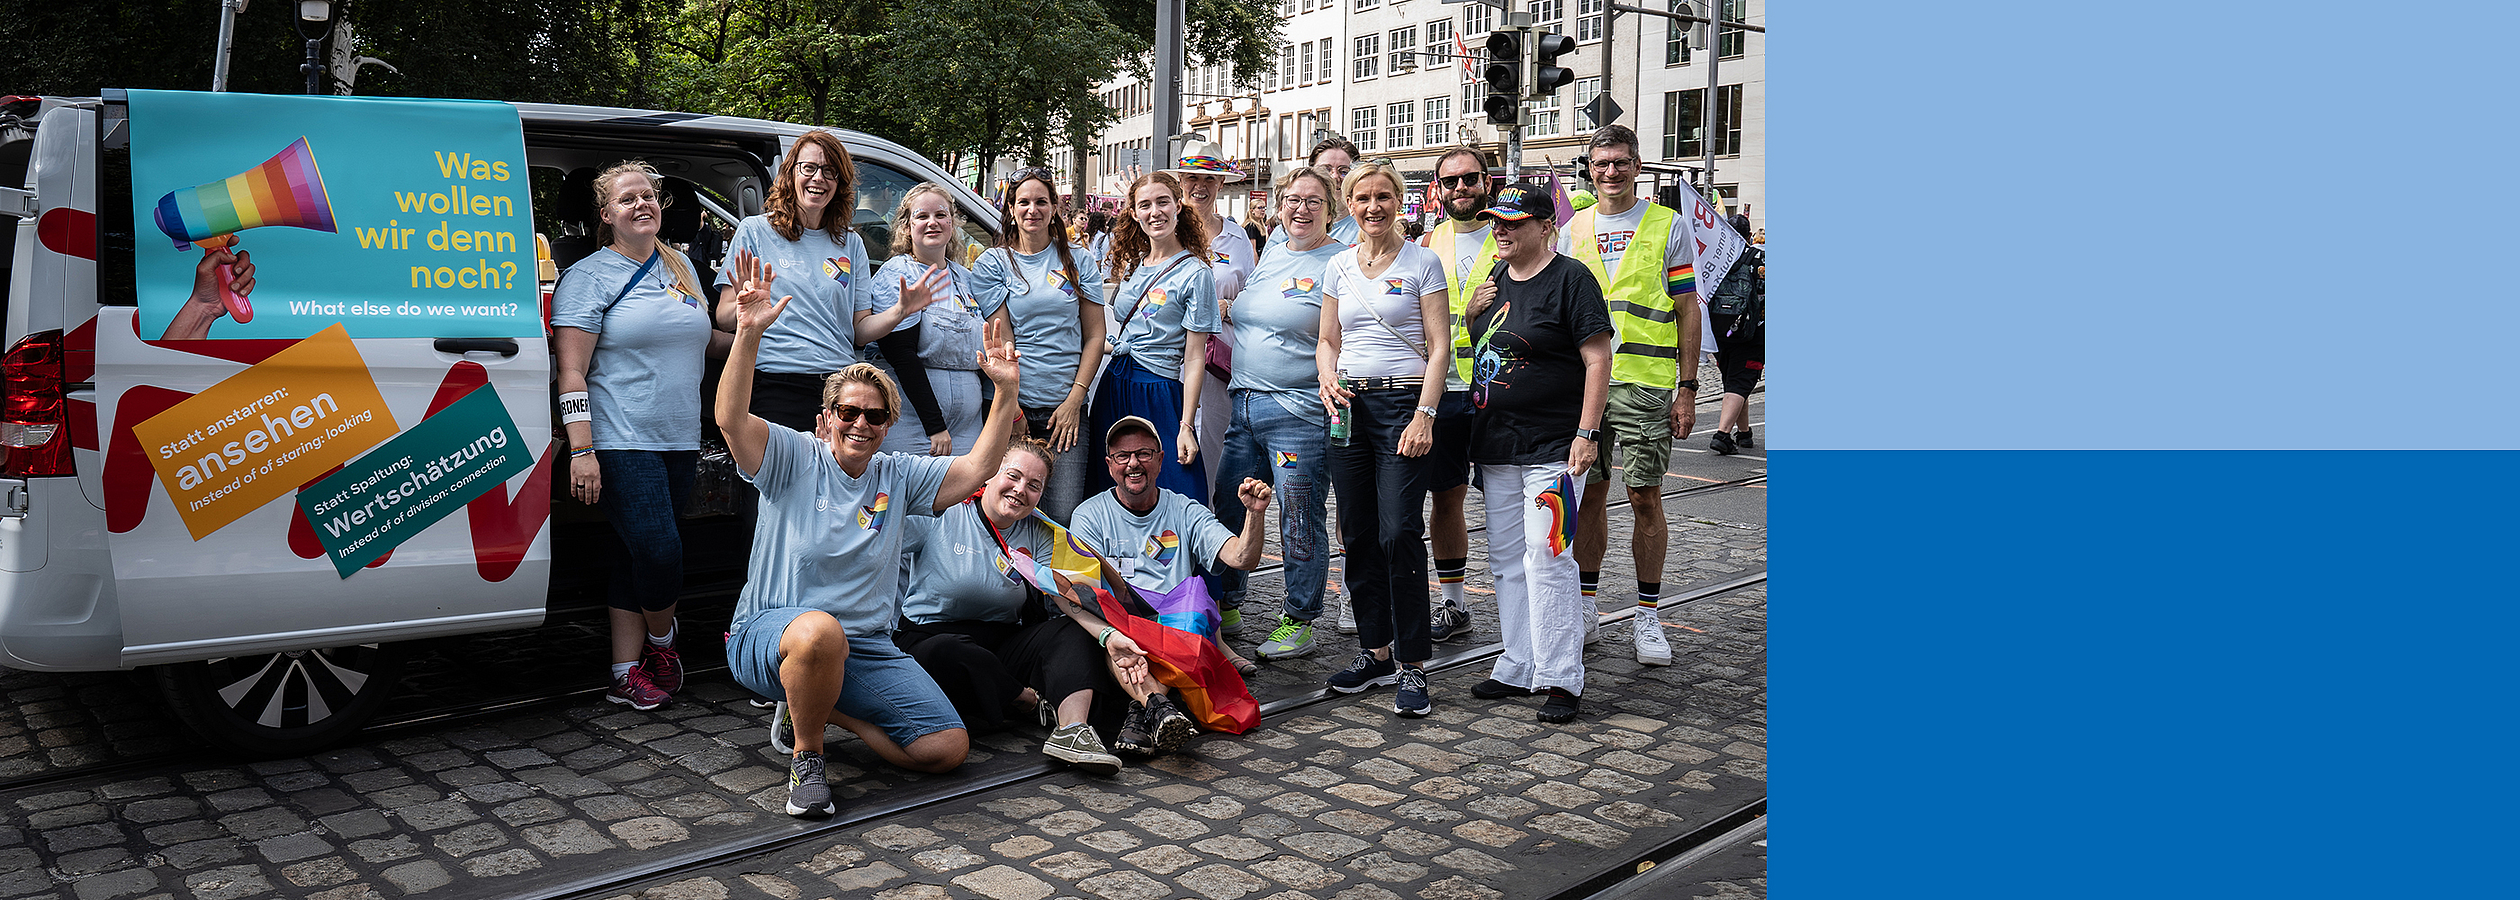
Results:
<point x="1642" y="255"/>
<point x="1467" y="245"/>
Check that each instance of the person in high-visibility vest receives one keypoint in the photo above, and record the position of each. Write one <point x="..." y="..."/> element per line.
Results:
<point x="1641" y="254"/>
<point x="1466" y="243"/>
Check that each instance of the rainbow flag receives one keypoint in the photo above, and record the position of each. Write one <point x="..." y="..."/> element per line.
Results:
<point x="286" y="189"/>
<point x="1210" y="689"/>
<point x="1559" y="501"/>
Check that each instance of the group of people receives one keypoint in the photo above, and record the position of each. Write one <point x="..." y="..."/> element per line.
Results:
<point x="897" y="504"/>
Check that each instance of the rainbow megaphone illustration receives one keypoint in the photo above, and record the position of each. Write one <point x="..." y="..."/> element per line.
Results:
<point x="286" y="189"/>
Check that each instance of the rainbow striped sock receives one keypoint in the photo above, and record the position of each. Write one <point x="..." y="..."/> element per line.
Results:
<point x="1648" y="595"/>
<point x="1449" y="575"/>
<point x="1591" y="582"/>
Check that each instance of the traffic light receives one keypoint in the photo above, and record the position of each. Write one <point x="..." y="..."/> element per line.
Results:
<point x="1504" y="77"/>
<point x="1545" y="50"/>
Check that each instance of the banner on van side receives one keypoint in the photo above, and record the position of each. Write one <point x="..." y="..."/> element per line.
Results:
<point x="275" y="216"/>
<point x="422" y="475"/>
<point x="260" y="433"/>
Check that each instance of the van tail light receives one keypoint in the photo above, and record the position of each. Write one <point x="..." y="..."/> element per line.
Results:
<point x="33" y="409"/>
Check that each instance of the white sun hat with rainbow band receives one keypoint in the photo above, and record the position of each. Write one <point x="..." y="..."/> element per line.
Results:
<point x="1206" y="158"/>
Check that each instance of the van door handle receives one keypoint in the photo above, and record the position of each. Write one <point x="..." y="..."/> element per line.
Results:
<point x="500" y="346"/>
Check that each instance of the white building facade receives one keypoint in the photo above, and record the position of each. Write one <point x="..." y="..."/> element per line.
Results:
<point x="1389" y="76"/>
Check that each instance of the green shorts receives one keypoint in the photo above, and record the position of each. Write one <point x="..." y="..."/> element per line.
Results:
<point x="1637" y="421"/>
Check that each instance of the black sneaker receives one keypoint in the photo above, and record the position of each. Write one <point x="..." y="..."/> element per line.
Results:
<point x="1136" y="733"/>
<point x="1722" y="444"/>
<point x="1743" y="438"/>
<point x="1493" y="689"/>
<point x="1563" y="705"/>
<point x="1412" y="701"/>
<point x="1171" y="727"/>
<point x="808" y="796"/>
<point x="1365" y="672"/>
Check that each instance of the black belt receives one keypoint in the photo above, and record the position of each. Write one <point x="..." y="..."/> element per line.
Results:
<point x="1384" y="383"/>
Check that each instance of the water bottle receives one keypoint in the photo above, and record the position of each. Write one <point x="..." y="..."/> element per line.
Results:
<point x="1339" y="419"/>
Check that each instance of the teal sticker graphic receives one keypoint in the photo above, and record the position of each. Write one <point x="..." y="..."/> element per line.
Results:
<point x="406" y="485"/>
<point x="274" y="216"/>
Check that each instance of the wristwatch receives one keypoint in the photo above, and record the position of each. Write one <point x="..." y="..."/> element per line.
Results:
<point x="1689" y="385"/>
<point x="1428" y="410"/>
<point x="1589" y="434"/>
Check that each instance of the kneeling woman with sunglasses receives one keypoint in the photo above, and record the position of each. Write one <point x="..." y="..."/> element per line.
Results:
<point x="813" y="627"/>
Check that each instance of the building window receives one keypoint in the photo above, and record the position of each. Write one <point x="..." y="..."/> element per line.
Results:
<point x="1585" y="90"/>
<point x="1286" y="67"/>
<point x="1368" y="56"/>
<point x="1329" y="59"/>
<point x="1588" y="21"/>
<point x="1547" y="15"/>
<point x="1286" y="7"/>
<point x="1473" y="93"/>
<point x="1304" y="69"/>
<point x="1675" y="38"/>
<point x="1361" y="128"/>
<point x="1545" y="113"/>
<point x="1684" y="122"/>
<point x="1438" y="121"/>
<point x="1439" y="42"/>
<point x="1363" y="5"/>
<point x="1733" y="38"/>
<point x="1478" y="19"/>
<point x="1403" y="40"/>
<point x="1400" y="125"/>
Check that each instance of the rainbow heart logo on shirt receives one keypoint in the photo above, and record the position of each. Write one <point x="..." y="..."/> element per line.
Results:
<point x="1058" y="279"/>
<point x="1399" y="287"/>
<point x="1298" y="287"/>
<point x="871" y="517"/>
<point x="837" y="270"/>
<point x="1154" y="298"/>
<point x="1163" y="547"/>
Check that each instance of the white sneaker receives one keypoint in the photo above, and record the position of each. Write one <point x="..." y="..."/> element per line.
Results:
<point x="1347" y="613"/>
<point x="1652" y="648"/>
<point x="1592" y="626"/>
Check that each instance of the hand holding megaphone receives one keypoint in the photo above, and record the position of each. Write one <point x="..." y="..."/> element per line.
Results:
<point x="220" y="283"/>
<point x="287" y="189"/>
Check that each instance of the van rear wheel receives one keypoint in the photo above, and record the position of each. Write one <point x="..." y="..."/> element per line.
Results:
<point x="282" y="704"/>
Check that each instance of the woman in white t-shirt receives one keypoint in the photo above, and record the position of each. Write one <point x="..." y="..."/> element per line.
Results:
<point x="632" y="337"/>
<point x="945" y="337"/>
<point x="1384" y="307"/>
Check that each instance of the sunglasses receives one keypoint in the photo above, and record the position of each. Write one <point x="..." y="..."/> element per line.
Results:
<point x="847" y="413"/>
<point x="1458" y="181"/>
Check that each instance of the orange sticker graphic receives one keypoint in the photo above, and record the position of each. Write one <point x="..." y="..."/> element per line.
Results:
<point x="262" y="432"/>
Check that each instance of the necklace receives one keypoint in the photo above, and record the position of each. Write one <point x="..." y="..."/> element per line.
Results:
<point x="1368" y="262"/>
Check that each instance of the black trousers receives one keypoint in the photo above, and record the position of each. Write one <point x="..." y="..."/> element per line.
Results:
<point x="983" y="666"/>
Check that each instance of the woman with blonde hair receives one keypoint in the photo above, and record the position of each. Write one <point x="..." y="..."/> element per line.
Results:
<point x="1167" y="309"/>
<point x="632" y="342"/>
<point x="933" y="350"/>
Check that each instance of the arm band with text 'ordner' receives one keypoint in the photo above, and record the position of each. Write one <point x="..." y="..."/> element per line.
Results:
<point x="573" y="408"/>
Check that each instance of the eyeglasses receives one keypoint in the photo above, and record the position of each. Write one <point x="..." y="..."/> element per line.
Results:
<point x="811" y="171"/>
<point x="630" y="200"/>
<point x="1460" y="181"/>
<point x="1624" y="162"/>
<point x="1142" y="456"/>
<point x="847" y="413"/>
<point x="1307" y="202"/>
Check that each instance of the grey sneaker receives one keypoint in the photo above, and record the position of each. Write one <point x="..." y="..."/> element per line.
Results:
<point x="1293" y="638"/>
<point x="1347" y="611"/>
<point x="808" y="796"/>
<point x="1412" y="701"/>
<point x="782" y="729"/>
<point x="1364" y="673"/>
<point x="1445" y="623"/>
<point x="1077" y="746"/>
<point x="1172" y="727"/>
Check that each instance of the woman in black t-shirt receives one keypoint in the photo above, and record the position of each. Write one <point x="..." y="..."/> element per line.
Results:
<point x="1540" y="334"/>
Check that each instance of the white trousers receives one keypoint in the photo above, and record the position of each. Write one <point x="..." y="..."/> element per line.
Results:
<point x="1540" y="608"/>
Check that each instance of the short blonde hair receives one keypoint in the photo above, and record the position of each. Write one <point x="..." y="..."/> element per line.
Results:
<point x="1329" y="188"/>
<point x="862" y="373"/>
<point x="1365" y="170"/>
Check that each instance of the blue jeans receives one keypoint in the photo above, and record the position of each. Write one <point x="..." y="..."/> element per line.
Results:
<point x="1285" y="450"/>
<point x="643" y="496"/>
<point x="1382" y="515"/>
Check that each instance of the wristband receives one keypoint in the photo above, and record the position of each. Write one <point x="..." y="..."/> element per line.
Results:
<point x="582" y="451"/>
<point x="1105" y="639"/>
<point x="573" y="408"/>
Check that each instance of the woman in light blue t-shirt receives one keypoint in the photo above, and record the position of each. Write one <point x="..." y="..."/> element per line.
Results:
<point x="943" y="339"/>
<point x="1049" y="293"/>
<point x="1166" y="310"/>
<point x="632" y="339"/>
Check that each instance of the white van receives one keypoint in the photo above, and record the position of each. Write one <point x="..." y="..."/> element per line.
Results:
<point x="236" y="491"/>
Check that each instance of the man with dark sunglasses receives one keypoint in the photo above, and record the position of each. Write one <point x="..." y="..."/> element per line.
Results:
<point x="813" y="627"/>
<point x="1466" y="242"/>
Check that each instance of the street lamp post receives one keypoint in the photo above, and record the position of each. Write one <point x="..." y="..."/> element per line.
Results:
<point x="315" y="19"/>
